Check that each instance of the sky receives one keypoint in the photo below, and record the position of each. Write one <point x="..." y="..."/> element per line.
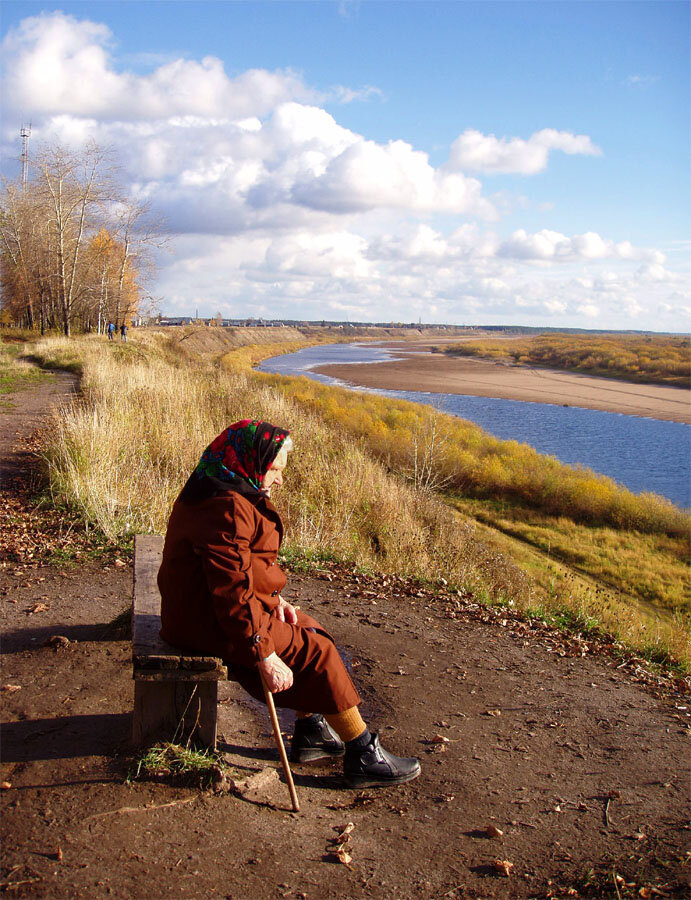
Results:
<point x="446" y="162"/>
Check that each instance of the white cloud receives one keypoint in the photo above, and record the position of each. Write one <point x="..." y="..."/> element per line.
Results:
<point x="552" y="245"/>
<point x="641" y="81"/>
<point x="656" y="272"/>
<point x="279" y="210"/>
<point x="187" y="129"/>
<point x="342" y="94"/>
<point x="335" y="255"/>
<point x="55" y="62"/>
<point x="477" y="152"/>
<point x="367" y="175"/>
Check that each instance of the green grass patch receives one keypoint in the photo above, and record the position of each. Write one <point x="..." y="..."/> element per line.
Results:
<point x="653" y="568"/>
<point x="17" y="374"/>
<point x="178" y="765"/>
<point x="305" y="561"/>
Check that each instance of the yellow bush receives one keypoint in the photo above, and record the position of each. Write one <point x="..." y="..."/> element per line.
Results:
<point x="659" y="359"/>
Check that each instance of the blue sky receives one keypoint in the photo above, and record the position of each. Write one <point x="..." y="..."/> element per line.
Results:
<point x="464" y="162"/>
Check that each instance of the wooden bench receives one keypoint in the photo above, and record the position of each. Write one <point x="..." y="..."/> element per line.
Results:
<point x="175" y="696"/>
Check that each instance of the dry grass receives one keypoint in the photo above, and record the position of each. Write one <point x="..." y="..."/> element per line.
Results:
<point x="120" y="454"/>
<point x="653" y="359"/>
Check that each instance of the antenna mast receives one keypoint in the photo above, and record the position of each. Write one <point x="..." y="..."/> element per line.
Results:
<point x="25" y="134"/>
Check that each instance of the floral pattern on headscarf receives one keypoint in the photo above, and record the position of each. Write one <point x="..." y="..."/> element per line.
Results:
<point x="244" y="450"/>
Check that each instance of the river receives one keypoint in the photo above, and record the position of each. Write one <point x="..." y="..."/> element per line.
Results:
<point x="641" y="454"/>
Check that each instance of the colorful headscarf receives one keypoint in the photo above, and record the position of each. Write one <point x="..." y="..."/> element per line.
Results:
<point x="245" y="450"/>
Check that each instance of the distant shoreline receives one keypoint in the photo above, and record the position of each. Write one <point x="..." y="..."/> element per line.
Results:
<point x="438" y="373"/>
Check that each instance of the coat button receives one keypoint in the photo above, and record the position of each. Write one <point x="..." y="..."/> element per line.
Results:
<point x="274" y="593"/>
<point x="257" y="638"/>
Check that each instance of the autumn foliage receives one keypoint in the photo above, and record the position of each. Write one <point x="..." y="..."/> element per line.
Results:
<point x="657" y="359"/>
<point x="73" y="246"/>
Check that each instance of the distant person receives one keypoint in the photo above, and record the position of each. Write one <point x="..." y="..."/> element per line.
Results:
<point x="111" y="331"/>
<point x="220" y="589"/>
<point x="123" y="333"/>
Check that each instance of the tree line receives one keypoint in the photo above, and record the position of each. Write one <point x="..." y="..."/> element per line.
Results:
<point x="75" y="249"/>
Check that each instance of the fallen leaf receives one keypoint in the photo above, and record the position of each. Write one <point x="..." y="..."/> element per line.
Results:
<point x="439" y="739"/>
<point x="346" y="829"/>
<point x="493" y="712"/>
<point x="343" y="856"/>
<point x="56" y="641"/>
<point x="36" y="608"/>
<point x="11" y="688"/>
<point x="5" y="785"/>
<point x="119" y="563"/>
<point x="503" y="867"/>
<point x="494" y="832"/>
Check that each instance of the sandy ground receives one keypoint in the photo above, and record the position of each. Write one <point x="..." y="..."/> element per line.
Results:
<point x="575" y="756"/>
<point x="437" y="373"/>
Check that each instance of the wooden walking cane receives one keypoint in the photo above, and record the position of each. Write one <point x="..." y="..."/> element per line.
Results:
<point x="279" y="743"/>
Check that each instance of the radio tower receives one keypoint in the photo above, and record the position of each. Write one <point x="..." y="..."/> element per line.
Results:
<point x="25" y="134"/>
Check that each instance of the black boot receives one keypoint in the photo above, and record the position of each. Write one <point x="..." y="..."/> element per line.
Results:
<point x="313" y="739"/>
<point x="372" y="766"/>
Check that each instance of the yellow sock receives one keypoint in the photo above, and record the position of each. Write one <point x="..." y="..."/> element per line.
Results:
<point x="348" y="724"/>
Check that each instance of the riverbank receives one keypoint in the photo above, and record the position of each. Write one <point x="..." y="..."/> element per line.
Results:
<point x="422" y="370"/>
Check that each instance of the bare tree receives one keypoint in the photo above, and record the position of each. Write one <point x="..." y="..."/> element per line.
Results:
<point x="428" y="467"/>
<point x="72" y="188"/>
<point x="74" y="247"/>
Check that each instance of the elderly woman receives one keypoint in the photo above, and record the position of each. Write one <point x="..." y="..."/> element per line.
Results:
<point x="220" y="589"/>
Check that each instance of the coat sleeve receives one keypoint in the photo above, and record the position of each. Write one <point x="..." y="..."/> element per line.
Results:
<point x="227" y="566"/>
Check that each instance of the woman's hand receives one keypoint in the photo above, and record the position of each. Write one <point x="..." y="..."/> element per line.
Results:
<point x="277" y="675"/>
<point x="286" y="612"/>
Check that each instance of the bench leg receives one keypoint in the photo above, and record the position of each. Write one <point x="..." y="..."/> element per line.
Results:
<point x="175" y="711"/>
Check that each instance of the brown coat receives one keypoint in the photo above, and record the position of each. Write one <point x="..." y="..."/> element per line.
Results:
<point x="219" y="585"/>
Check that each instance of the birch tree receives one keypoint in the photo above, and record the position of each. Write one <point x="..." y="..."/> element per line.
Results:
<point x="73" y="246"/>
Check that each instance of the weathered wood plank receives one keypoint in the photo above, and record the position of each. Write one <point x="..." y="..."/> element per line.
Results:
<point x="176" y="675"/>
<point x="194" y="663"/>
<point x="175" y="711"/>
<point x="146" y="611"/>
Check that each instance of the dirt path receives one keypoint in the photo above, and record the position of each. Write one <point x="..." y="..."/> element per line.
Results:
<point x="437" y="373"/>
<point x="577" y="758"/>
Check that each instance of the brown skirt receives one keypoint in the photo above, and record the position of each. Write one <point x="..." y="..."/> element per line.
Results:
<point x="321" y="682"/>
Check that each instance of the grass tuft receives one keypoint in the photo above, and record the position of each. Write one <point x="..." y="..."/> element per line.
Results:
<point x="178" y="765"/>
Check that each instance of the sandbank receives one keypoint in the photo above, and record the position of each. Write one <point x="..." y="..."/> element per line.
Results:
<point x="438" y="373"/>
